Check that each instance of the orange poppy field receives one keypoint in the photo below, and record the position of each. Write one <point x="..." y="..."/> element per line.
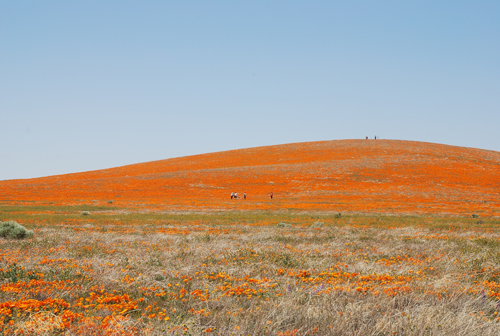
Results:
<point x="361" y="237"/>
<point x="370" y="176"/>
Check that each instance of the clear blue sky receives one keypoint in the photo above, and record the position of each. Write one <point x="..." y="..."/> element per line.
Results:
<point x="87" y="85"/>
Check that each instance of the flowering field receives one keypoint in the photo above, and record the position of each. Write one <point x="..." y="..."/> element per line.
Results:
<point x="362" y="238"/>
<point x="369" y="176"/>
<point x="93" y="270"/>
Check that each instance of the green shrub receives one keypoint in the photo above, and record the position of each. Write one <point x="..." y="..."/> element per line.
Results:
<point x="14" y="230"/>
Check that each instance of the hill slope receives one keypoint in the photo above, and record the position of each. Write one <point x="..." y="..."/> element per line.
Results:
<point x="346" y="175"/>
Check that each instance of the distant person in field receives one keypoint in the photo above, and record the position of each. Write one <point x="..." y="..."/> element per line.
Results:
<point x="232" y="195"/>
<point x="245" y="195"/>
<point x="235" y="195"/>
<point x="366" y="138"/>
<point x="271" y="195"/>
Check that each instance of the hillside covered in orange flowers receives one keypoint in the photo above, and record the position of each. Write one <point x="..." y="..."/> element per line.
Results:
<point x="372" y="176"/>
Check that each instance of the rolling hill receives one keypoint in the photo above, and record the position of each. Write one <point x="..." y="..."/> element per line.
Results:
<point x="374" y="176"/>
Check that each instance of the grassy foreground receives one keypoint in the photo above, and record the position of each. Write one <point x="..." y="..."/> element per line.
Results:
<point x="103" y="271"/>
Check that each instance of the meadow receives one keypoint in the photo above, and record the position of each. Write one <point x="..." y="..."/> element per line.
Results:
<point x="104" y="270"/>
<point x="160" y="248"/>
<point x="383" y="176"/>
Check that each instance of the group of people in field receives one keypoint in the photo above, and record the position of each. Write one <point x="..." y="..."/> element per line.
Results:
<point x="234" y="195"/>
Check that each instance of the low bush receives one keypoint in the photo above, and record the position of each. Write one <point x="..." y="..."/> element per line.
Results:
<point x="14" y="230"/>
<point x="317" y="224"/>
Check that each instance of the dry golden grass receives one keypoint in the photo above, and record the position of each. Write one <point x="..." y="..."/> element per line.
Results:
<point x="240" y="273"/>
